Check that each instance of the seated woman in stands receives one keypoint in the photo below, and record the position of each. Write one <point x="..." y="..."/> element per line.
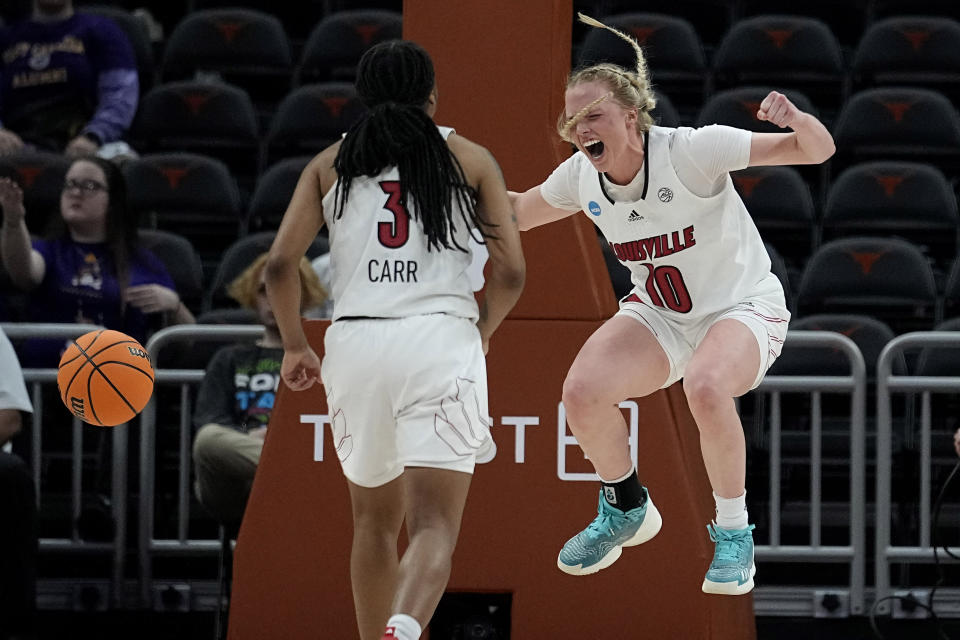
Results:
<point x="92" y="268"/>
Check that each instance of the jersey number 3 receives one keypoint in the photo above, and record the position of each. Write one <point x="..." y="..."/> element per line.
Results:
<point x="666" y="288"/>
<point x="394" y="235"/>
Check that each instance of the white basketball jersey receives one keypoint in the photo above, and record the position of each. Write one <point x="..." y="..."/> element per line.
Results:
<point x="380" y="265"/>
<point x="689" y="255"/>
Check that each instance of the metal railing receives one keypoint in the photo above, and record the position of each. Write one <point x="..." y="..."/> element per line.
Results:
<point x="149" y="545"/>
<point x="886" y="553"/>
<point x="855" y="552"/>
<point x="35" y="379"/>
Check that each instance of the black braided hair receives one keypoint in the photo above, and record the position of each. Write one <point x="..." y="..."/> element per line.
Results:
<point x="394" y="80"/>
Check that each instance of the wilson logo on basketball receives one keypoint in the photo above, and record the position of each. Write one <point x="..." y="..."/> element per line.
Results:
<point x="76" y="406"/>
<point x="138" y="352"/>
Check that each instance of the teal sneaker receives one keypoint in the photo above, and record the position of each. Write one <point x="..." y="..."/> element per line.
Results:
<point x="732" y="570"/>
<point x="600" y="544"/>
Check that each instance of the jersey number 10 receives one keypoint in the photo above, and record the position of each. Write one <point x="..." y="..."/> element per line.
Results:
<point x="666" y="288"/>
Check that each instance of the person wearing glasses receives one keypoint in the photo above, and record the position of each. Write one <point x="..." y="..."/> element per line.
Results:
<point x="91" y="268"/>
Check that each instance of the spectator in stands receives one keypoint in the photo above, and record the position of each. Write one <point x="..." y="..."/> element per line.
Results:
<point x="18" y="504"/>
<point x="93" y="269"/>
<point x="956" y="442"/>
<point x="68" y="82"/>
<point x="705" y="306"/>
<point x="236" y="398"/>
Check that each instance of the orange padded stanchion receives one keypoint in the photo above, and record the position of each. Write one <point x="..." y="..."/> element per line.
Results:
<point x="501" y="66"/>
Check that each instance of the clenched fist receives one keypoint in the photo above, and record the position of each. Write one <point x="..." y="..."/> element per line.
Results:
<point x="776" y="108"/>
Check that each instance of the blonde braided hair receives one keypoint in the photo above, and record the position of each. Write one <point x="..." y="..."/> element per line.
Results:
<point x="629" y="89"/>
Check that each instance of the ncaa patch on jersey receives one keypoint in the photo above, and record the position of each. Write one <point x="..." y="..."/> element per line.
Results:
<point x="594" y="208"/>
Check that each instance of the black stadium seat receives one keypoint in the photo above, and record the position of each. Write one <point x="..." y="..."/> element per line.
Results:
<point x="182" y="263"/>
<point x="901" y="123"/>
<point x="311" y="118"/>
<point x="672" y="48"/>
<point x="274" y="189"/>
<point x="192" y="195"/>
<point x="244" y="47"/>
<point x="339" y="40"/>
<point x="910" y="50"/>
<point x="905" y="199"/>
<point x="780" y="203"/>
<point x="207" y="118"/>
<point x="788" y="52"/>
<point x="40" y="176"/>
<point x="888" y="278"/>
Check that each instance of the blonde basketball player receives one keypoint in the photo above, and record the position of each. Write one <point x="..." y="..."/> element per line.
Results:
<point x="704" y="308"/>
<point x="404" y="370"/>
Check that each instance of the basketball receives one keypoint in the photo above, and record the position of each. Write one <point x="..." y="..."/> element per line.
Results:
<point x="105" y="378"/>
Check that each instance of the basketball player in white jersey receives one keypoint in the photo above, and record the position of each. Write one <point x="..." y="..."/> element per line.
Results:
<point x="404" y="370"/>
<point x="705" y="306"/>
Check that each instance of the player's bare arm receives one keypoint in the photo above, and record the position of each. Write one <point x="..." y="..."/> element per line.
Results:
<point x="507" y="267"/>
<point x="301" y="222"/>
<point x="808" y="143"/>
<point x="533" y="211"/>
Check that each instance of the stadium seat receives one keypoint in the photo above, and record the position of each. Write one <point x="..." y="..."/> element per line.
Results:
<point x="673" y="50"/>
<point x="40" y="176"/>
<point x="779" y="268"/>
<point x="887" y="278"/>
<point x="951" y="292"/>
<point x="887" y="8"/>
<point x="213" y="119"/>
<point x="239" y="256"/>
<point x="337" y="42"/>
<point x="182" y="263"/>
<point x="243" y="47"/>
<point x="905" y="199"/>
<point x="898" y="123"/>
<point x="311" y="118"/>
<point x="273" y="192"/>
<point x="191" y="195"/>
<point x="786" y="52"/>
<point x="710" y="18"/>
<point x="136" y="30"/>
<point x="910" y="50"/>
<point x="846" y="18"/>
<point x="870" y="335"/>
<point x="297" y="17"/>
<point x="665" y="114"/>
<point x="738" y="108"/>
<point x="780" y="203"/>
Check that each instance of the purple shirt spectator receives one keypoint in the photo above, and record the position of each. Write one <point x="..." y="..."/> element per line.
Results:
<point x="80" y="285"/>
<point x="65" y="78"/>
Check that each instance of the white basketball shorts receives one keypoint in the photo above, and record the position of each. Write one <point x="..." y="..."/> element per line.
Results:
<point x="405" y="392"/>
<point x="765" y="315"/>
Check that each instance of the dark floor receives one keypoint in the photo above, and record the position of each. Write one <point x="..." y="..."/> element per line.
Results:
<point x="130" y="625"/>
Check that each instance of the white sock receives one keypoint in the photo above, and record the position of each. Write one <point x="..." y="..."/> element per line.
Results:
<point x="403" y="627"/>
<point x="732" y="512"/>
<point x="632" y="471"/>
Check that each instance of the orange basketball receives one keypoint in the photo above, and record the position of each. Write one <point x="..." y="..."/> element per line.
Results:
<point x="105" y="378"/>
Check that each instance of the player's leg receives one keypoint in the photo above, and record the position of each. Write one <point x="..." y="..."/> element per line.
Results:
<point x="435" y="499"/>
<point x="377" y="518"/>
<point x="731" y="359"/>
<point x="622" y="359"/>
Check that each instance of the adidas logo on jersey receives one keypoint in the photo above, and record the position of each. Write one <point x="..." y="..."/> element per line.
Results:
<point x="634" y="217"/>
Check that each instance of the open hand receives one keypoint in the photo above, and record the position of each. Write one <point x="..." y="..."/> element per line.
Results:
<point x="11" y="200"/>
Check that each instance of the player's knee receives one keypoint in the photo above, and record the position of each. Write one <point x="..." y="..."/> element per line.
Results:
<point x="705" y="391"/>
<point x="579" y="394"/>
